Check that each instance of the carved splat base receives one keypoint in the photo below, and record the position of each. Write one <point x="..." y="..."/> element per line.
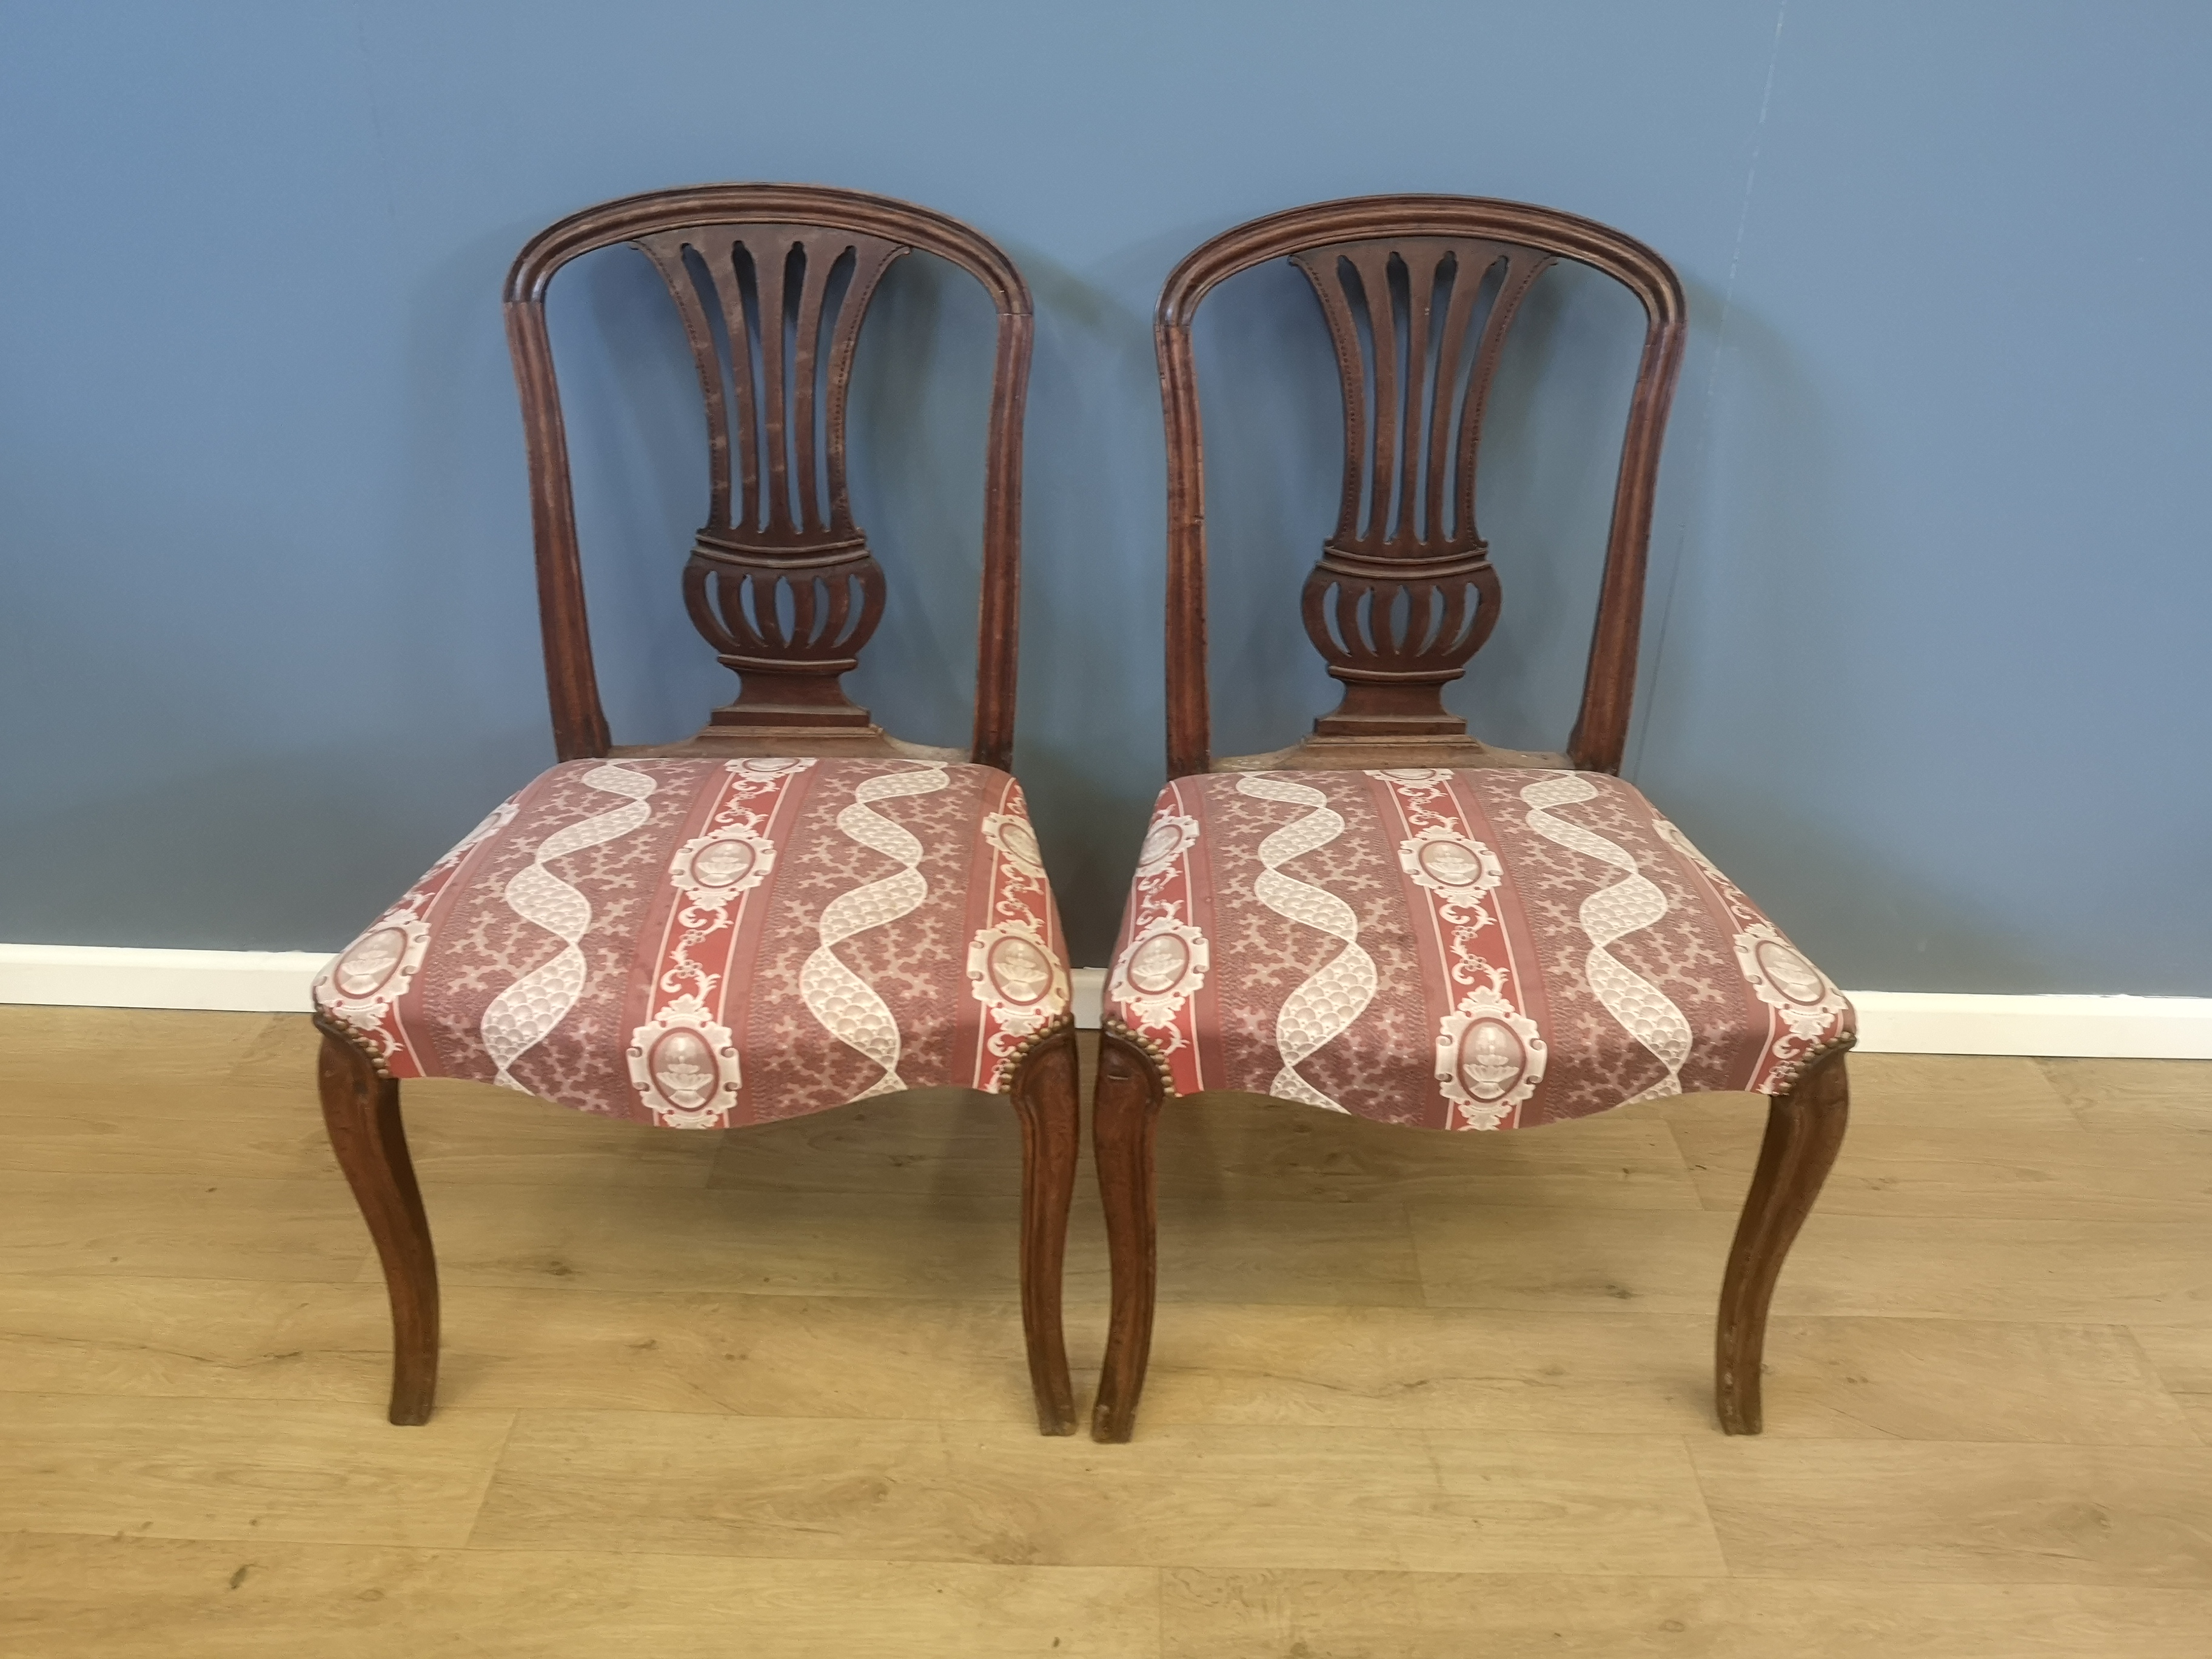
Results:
<point x="771" y="699"/>
<point x="789" y="619"/>
<point x="1371" y="709"/>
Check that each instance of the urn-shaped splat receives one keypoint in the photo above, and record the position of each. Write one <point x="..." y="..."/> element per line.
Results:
<point x="781" y="581"/>
<point x="1404" y="594"/>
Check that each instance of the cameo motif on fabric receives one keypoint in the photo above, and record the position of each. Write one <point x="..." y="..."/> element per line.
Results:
<point x="1455" y="866"/>
<point x="1011" y="834"/>
<point x="685" y="1067"/>
<point x="1162" y="968"/>
<point x="1781" y="977"/>
<point x="712" y="869"/>
<point x="1171" y="835"/>
<point x="374" y="972"/>
<point x="1014" y="972"/>
<point x="1490" y="1058"/>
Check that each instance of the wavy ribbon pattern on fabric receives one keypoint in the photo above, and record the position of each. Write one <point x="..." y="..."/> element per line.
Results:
<point x="1336" y="994"/>
<point x="520" y="1017"/>
<point x="1632" y="904"/>
<point x="846" y="1004"/>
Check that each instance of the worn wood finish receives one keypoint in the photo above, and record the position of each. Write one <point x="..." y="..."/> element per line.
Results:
<point x="1048" y="1100"/>
<point x="1418" y="293"/>
<point x="1804" y="1132"/>
<point x="1125" y="1110"/>
<point x="362" y="1112"/>
<point x="772" y="283"/>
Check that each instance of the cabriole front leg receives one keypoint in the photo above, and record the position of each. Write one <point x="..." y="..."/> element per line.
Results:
<point x="1126" y="1115"/>
<point x="1047" y="1101"/>
<point x="362" y="1111"/>
<point x="1804" y="1130"/>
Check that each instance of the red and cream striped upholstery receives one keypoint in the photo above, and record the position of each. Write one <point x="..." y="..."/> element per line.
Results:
<point x="707" y="943"/>
<point x="1465" y="950"/>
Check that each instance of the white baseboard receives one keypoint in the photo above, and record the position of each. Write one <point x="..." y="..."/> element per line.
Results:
<point x="124" y="976"/>
<point x="2108" y="1027"/>
<point x="1890" y="1022"/>
<point x="1088" y="986"/>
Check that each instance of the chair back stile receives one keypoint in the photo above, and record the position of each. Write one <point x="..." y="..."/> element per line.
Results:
<point x="772" y="283"/>
<point x="1419" y="294"/>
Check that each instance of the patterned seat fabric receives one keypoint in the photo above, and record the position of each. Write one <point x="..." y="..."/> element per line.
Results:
<point x="1465" y="950"/>
<point x="704" y="943"/>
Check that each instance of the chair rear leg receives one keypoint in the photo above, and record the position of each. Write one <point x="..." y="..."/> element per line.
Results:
<point x="1126" y="1115"/>
<point x="362" y="1111"/>
<point x="1804" y="1130"/>
<point x="1047" y="1101"/>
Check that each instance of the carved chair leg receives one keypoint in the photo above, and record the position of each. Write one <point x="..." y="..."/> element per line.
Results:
<point x="1804" y="1130"/>
<point x="362" y="1111"/>
<point x="1126" y="1115"/>
<point x="1048" y="1100"/>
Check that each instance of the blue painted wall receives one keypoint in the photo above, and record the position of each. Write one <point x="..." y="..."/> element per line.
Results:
<point x="1923" y="664"/>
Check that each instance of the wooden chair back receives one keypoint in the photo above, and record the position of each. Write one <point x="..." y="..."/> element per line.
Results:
<point x="772" y="283"/>
<point x="1419" y="294"/>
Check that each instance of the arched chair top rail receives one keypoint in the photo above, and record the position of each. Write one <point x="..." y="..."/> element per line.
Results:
<point x="632" y="216"/>
<point x="1361" y="218"/>
<point x="1600" y="737"/>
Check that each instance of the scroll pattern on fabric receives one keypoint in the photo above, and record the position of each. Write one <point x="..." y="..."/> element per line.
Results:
<point x="683" y="1061"/>
<point x="364" y="982"/>
<point x="1490" y="1054"/>
<point x="1013" y="969"/>
<point x="1336" y="994"/>
<point x="1627" y="906"/>
<point x="696" y="925"/>
<point x="846" y="1004"/>
<point x="1163" y="964"/>
<point x="520" y="1016"/>
<point x="1531" y="947"/>
<point x="1808" y="1013"/>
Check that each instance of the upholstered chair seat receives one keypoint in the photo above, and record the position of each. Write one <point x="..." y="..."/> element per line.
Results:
<point x="704" y="944"/>
<point x="1487" y="949"/>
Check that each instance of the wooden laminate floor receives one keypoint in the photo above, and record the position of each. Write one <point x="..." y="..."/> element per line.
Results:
<point x="1412" y="1396"/>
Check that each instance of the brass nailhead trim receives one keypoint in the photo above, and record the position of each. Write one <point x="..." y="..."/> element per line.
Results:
<point x="1028" y="1046"/>
<point x="1797" y="1073"/>
<point x="331" y="1025"/>
<point x="1152" y="1050"/>
<point x="1158" y="1055"/>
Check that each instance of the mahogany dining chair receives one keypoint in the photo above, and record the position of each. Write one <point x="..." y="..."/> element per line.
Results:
<point x="1389" y="918"/>
<point x="791" y="909"/>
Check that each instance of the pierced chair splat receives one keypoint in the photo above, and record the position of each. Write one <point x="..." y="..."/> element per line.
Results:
<point x="792" y="909"/>
<point x="1391" y="918"/>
